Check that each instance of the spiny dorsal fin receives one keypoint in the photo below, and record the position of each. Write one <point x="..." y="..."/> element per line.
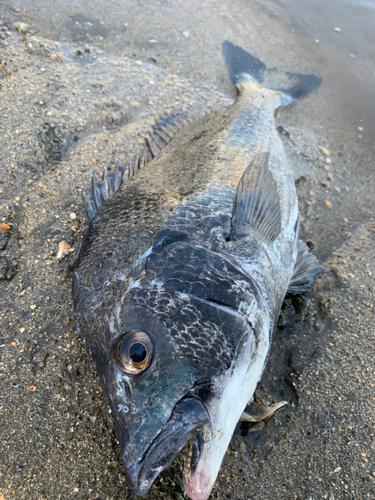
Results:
<point x="153" y="146"/>
<point x="163" y="132"/>
<point x="101" y="190"/>
<point x="256" y="204"/>
<point x="163" y="136"/>
<point x="306" y="269"/>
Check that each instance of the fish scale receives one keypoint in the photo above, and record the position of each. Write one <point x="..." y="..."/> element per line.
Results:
<point x="188" y="256"/>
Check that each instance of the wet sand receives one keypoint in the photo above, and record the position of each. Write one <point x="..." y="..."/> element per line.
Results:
<point x="69" y="108"/>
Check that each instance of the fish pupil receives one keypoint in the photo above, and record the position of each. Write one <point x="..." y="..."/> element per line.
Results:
<point x="137" y="352"/>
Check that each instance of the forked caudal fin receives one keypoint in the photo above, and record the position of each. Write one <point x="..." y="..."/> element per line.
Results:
<point x="241" y="64"/>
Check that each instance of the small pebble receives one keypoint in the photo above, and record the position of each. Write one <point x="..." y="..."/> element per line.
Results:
<point x="31" y="388"/>
<point x="323" y="418"/>
<point x="186" y="34"/>
<point x="33" y="306"/>
<point x="64" y="249"/>
<point x="138" y="63"/>
<point x="337" y="29"/>
<point x="22" y="330"/>
<point x="310" y="244"/>
<point x="152" y="41"/>
<point x="327" y="204"/>
<point x="360" y="129"/>
<point x="73" y="216"/>
<point x="324" y="151"/>
<point x="22" y="27"/>
<point x="328" y="161"/>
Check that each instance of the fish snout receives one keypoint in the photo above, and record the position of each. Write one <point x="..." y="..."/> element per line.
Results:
<point x="188" y="418"/>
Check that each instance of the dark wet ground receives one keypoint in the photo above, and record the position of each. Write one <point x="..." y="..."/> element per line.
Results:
<point x="72" y="107"/>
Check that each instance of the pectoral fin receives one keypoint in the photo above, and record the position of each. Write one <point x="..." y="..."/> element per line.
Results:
<point x="256" y="205"/>
<point x="266" y="412"/>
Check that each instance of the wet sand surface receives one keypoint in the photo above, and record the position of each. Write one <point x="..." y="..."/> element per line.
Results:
<point x="80" y="86"/>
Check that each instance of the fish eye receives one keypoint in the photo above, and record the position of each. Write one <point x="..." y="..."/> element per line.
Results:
<point x="134" y="351"/>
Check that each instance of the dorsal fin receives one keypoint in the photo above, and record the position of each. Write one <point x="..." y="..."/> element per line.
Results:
<point x="163" y="132"/>
<point x="101" y="190"/>
<point x="306" y="269"/>
<point x="256" y="204"/>
<point x="166" y="128"/>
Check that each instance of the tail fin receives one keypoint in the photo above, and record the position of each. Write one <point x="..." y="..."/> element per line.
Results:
<point x="241" y="63"/>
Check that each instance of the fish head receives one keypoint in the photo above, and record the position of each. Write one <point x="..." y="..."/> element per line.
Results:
<point x="187" y="349"/>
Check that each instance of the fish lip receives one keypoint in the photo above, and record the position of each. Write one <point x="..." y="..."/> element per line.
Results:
<point x="188" y="419"/>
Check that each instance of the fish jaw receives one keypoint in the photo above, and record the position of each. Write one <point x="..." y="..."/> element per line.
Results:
<point x="188" y="418"/>
<point x="235" y="389"/>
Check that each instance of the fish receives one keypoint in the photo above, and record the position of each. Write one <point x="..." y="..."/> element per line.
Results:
<point x="178" y="286"/>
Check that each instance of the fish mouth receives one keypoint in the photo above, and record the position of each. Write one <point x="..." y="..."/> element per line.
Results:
<point x="184" y="429"/>
<point x="197" y="485"/>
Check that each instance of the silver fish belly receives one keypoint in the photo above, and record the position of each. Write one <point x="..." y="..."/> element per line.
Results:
<point x="181" y="276"/>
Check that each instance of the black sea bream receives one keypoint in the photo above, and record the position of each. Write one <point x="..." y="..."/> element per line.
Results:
<point x="181" y="276"/>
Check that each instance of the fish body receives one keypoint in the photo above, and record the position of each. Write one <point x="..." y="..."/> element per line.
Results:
<point x="181" y="278"/>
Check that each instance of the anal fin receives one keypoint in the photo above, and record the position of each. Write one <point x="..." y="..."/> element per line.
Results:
<point x="306" y="269"/>
<point x="256" y="204"/>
